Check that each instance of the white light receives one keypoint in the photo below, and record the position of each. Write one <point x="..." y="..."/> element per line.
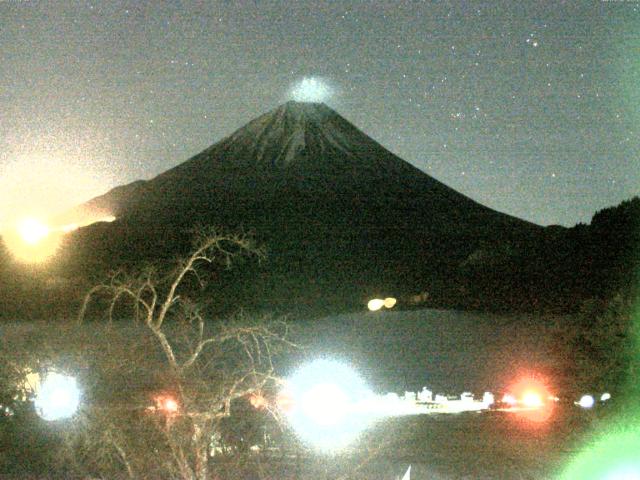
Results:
<point x="58" y="397"/>
<point x="70" y="227"/>
<point x="488" y="399"/>
<point x="311" y="89"/>
<point x="32" y="230"/>
<point x="328" y="404"/>
<point x="605" y="397"/>
<point x="325" y="404"/>
<point x="532" y="399"/>
<point x="586" y="401"/>
<point x="375" y="304"/>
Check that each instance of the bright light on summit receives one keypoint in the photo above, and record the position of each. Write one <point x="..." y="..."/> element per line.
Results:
<point x="311" y="89"/>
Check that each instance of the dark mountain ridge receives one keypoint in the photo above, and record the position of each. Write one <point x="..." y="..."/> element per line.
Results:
<point x="340" y="215"/>
<point x="302" y="149"/>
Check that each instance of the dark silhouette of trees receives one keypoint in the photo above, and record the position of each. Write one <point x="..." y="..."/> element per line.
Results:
<point x="160" y="378"/>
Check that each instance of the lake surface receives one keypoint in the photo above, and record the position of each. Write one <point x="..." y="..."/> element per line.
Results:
<point x="447" y="351"/>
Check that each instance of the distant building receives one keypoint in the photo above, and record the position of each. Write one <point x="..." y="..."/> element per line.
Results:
<point x="425" y="396"/>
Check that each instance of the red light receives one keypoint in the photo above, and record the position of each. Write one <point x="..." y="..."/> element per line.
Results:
<point x="532" y="394"/>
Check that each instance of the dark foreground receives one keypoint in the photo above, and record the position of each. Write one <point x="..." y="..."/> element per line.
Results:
<point x="489" y="445"/>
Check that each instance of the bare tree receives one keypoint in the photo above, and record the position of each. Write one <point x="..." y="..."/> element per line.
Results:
<point x="201" y="367"/>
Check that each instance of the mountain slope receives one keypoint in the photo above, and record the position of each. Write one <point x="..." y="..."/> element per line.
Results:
<point x="307" y="148"/>
<point x="335" y="209"/>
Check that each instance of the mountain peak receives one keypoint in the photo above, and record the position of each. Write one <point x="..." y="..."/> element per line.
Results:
<point x="336" y="209"/>
<point x="303" y="111"/>
<point x="281" y="136"/>
<point x="296" y="104"/>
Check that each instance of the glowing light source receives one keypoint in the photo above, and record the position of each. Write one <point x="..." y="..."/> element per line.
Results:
<point x="32" y="231"/>
<point x="326" y="404"/>
<point x="166" y="404"/>
<point x="605" y="397"/>
<point x="586" y="401"/>
<point x="258" y="401"/>
<point x="311" y="89"/>
<point x="531" y="399"/>
<point x="58" y="397"/>
<point x="375" y="304"/>
<point x="31" y="240"/>
<point x="532" y="394"/>
<point x="390" y="302"/>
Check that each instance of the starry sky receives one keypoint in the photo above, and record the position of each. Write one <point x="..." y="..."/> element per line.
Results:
<point x="531" y="108"/>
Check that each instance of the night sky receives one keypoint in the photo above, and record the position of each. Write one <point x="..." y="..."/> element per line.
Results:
<point x="531" y="108"/>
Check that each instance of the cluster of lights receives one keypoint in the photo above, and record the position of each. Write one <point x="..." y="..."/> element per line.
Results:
<point x="588" y="401"/>
<point x="376" y="304"/>
<point x="534" y="399"/>
<point x="328" y="404"/>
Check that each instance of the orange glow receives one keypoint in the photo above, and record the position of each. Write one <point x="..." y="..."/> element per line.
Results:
<point x="31" y="241"/>
<point x="257" y="401"/>
<point x="166" y="404"/>
<point x="170" y="405"/>
<point x="532" y="394"/>
<point x="531" y="399"/>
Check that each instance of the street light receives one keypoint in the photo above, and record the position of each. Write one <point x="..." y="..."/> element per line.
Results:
<point x="327" y="404"/>
<point x="586" y="401"/>
<point x="57" y="397"/>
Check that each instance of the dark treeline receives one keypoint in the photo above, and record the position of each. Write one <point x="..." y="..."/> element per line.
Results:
<point x="554" y="269"/>
<point x="562" y="268"/>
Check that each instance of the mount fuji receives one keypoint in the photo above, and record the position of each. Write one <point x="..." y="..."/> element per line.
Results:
<point x="341" y="217"/>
